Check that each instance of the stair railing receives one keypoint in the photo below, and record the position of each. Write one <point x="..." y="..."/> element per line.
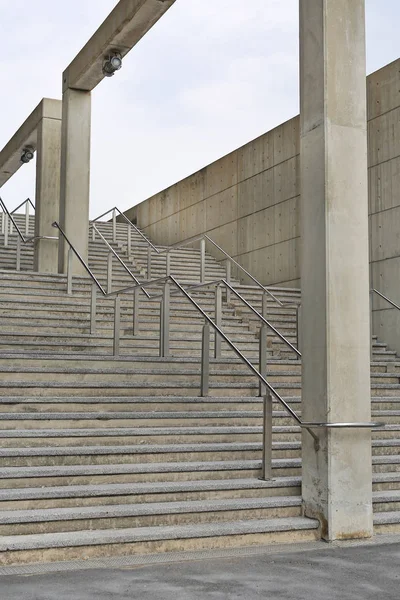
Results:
<point x="8" y="222"/>
<point x="269" y="391"/>
<point x="386" y="299"/>
<point x="202" y="239"/>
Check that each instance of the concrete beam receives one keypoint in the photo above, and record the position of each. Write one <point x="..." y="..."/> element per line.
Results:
<point x="337" y="477"/>
<point x="121" y="31"/>
<point x="10" y="155"/>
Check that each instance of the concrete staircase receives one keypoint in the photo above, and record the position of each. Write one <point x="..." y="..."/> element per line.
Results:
<point x="107" y="456"/>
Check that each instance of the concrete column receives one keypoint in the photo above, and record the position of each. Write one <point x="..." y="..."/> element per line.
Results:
<point x="337" y="478"/>
<point x="47" y="194"/>
<point x="75" y="175"/>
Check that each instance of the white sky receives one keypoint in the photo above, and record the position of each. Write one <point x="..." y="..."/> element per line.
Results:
<point x="210" y="76"/>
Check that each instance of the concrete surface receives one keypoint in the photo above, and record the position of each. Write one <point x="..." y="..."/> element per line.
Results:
<point x="248" y="201"/>
<point x="362" y="572"/>
<point x="335" y="342"/>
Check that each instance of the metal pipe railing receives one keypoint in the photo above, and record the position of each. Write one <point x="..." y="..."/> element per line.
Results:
<point x="201" y="238"/>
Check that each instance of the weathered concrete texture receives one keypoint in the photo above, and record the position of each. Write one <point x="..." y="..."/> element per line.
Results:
<point x="47" y="194"/>
<point x="42" y="131"/>
<point x="75" y="177"/>
<point x="384" y="198"/>
<point x="337" y="478"/>
<point x="124" y="27"/>
<point x="367" y="572"/>
<point x="249" y="200"/>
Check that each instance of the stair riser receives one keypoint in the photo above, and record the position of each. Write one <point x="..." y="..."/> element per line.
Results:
<point x="148" y="521"/>
<point x="141" y="548"/>
<point x="147" y="498"/>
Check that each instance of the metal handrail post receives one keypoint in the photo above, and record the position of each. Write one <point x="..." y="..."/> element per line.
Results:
<point x="202" y="261"/>
<point x="109" y="272"/>
<point x="218" y="321"/>
<point x="164" y="321"/>
<point x="168" y="264"/>
<point x="11" y="226"/>
<point x="93" y="307"/>
<point x="228" y="267"/>
<point x="5" y="230"/>
<point x="3" y="214"/>
<point x="262" y="367"/>
<point x="69" y="271"/>
<point x="298" y="329"/>
<point x="371" y="316"/>
<point x="18" y="253"/>
<point x="266" y="466"/>
<point x="93" y="234"/>
<point x="148" y="263"/>
<point x="117" y="325"/>
<point x="135" y="324"/>
<point x="114" y="226"/>
<point x="264" y="305"/>
<point x="129" y="241"/>
<point x="27" y="218"/>
<point x="205" y="361"/>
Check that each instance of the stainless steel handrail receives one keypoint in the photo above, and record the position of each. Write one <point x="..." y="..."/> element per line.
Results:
<point x="111" y="249"/>
<point x="20" y="234"/>
<point x="191" y="241"/>
<point x="385" y="298"/>
<point x="79" y="257"/>
<point x="22" y="204"/>
<point x="242" y="299"/>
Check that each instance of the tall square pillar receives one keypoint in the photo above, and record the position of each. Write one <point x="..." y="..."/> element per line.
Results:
<point x="75" y="176"/>
<point x="47" y="194"/>
<point x="337" y="478"/>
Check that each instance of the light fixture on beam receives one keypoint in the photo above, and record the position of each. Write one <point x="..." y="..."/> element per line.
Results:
<point x="112" y="63"/>
<point x="27" y="154"/>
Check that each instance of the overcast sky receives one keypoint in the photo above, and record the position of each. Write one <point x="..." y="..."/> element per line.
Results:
<point x="210" y="76"/>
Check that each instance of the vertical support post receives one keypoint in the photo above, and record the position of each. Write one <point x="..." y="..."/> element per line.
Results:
<point x="266" y="468"/>
<point x="164" y="321"/>
<point x="129" y="240"/>
<point x="11" y="226"/>
<point x="218" y="321"/>
<point x="75" y="173"/>
<point x="69" y="270"/>
<point x="27" y="218"/>
<point x="264" y="305"/>
<point x="371" y="321"/>
<point x="135" y="323"/>
<point x="93" y="309"/>
<point x="262" y="367"/>
<point x="228" y="279"/>
<point x="18" y="253"/>
<point x="109" y="272"/>
<point x="205" y="360"/>
<point x="168" y="264"/>
<point x="337" y="475"/>
<point x="202" y="261"/>
<point x="5" y="230"/>
<point x="117" y="325"/>
<point x="148" y="263"/>
<point x="114" y="226"/>
<point x="47" y="207"/>
<point x="93" y="233"/>
<point x="3" y="214"/>
<point x="298" y="328"/>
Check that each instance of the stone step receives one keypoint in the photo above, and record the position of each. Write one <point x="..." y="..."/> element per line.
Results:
<point x="54" y="520"/>
<point x="113" y="493"/>
<point x="68" y="546"/>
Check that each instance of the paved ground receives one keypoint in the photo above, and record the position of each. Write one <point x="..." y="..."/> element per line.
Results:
<point x="369" y="572"/>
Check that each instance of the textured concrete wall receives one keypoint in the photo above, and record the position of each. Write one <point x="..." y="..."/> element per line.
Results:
<point x="384" y="197"/>
<point x="248" y="202"/>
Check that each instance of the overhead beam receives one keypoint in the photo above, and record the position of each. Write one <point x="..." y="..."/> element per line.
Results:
<point x="27" y="135"/>
<point x="121" y="31"/>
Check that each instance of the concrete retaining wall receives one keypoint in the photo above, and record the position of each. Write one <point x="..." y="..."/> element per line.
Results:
<point x="248" y="202"/>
